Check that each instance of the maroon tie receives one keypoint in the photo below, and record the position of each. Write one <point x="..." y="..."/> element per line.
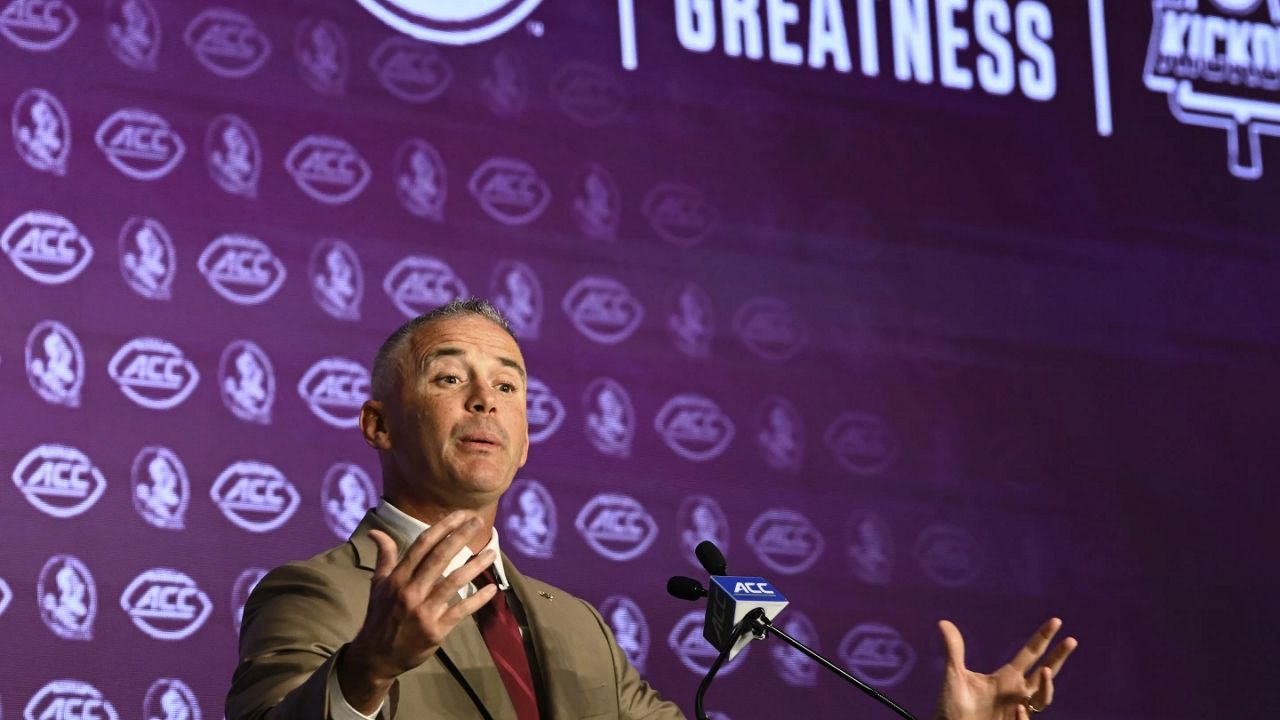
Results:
<point x="501" y="631"/>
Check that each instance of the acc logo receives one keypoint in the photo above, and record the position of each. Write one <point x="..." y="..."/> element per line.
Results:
<point x="869" y="547"/>
<point x="506" y="87"/>
<point x="419" y="282"/>
<point x="227" y="42"/>
<point x="68" y="598"/>
<point x="6" y="596"/>
<point x="421" y="179"/>
<point x="616" y="526"/>
<point x="794" y="667"/>
<point x="780" y="434"/>
<point x="862" y="443"/>
<point x="335" y="388"/>
<point x="69" y="700"/>
<point x="58" y="480"/>
<point x="46" y="247"/>
<point x="161" y="491"/>
<point x="691" y="323"/>
<point x="147" y="259"/>
<point x="242" y="269"/>
<point x="597" y="205"/>
<point x="41" y="131"/>
<point x="948" y="555"/>
<point x="588" y="94"/>
<point x="255" y="496"/>
<point x="165" y="604"/>
<point x="234" y="157"/>
<point x="55" y="363"/>
<point x="153" y="373"/>
<point x="629" y="627"/>
<point x="694" y="427"/>
<point x="247" y="382"/>
<point x="38" y="25"/>
<point x="320" y="50"/>
<point x="878" y="653"/>
<point x="610" y="419"/>
<point x="687" y="642"/>
<point x="240" y="589"/>
<point x="786" y="541"/>
<point x="328" y="169"/>
<point x="450" y="22"/>
<point x="337" y="282"/>
<point x="701" y="518"/>
<point x="530" y="522"/>
<point x="544" y="409"/>
<point x="346" y="495"/>
<point x="679" y="213"/>
<point x="602" y="309"/>
<point x="516" y="291"/>
<point x="140" y="144"/>
<point x="133" y="33"/>
<point x="412" y="71"/>
<point x="170" y="698"/>
<point x="509" y="190"/>
<point x="1214" y="67"/>
<point x="770" y="328"/>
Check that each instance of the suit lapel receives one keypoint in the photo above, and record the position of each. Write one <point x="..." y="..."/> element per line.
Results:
<point x="537" y="612"/>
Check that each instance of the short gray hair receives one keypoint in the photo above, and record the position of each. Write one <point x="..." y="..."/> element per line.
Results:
<point x="384" y="362"/>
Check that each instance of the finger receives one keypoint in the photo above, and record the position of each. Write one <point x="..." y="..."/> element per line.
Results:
<point x="386" y="548"/>
<point x="1043" y="695"/>
<point x="1035" y="647"/>
<point x="954" y="642"/>
<point x="1022" y="712"/>
<point x="449" y="585"/>
<point x="469" y="606"/>
<point x="1058" y="656"/>
<point x="432" y="567"/>
<point x="426" y="542"/>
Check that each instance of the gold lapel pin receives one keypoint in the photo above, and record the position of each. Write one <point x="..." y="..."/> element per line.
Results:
<point x="546" y="595"/>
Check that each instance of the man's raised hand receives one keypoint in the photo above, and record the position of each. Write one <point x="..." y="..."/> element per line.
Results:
<point x="1013" y="691"/>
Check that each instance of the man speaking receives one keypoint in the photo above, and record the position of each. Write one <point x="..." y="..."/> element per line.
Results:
<point x="420" y="615"/>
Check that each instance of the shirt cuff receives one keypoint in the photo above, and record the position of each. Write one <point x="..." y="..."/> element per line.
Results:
<point x="339" y="708"/>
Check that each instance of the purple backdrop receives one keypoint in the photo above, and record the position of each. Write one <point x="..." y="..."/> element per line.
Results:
<point x="920" y="308"/>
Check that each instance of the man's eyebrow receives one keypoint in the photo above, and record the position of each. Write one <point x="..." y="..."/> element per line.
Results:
<point x="514" y="365"/>
<point x="425" y="360"/>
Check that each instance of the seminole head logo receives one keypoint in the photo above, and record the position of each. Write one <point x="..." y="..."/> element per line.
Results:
<point x="1218" y="61"/>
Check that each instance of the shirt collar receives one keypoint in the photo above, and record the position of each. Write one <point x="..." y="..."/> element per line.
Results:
<point x="411" y="527"/>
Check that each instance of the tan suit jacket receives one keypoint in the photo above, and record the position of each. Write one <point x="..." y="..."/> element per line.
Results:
<point x="301" y="615"/>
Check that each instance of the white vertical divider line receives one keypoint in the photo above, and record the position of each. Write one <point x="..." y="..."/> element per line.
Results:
<point x="1101" y="72"/>
<point x="627" y="33"/>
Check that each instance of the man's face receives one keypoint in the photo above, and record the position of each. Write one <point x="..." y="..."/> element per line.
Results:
<point x="457" y="424"/>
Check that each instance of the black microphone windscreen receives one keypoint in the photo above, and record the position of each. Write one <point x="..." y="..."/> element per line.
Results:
<point x="686" y="588"/>
<point x="711" y="558"/>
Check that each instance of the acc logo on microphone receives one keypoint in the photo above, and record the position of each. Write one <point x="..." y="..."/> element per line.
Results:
<point x="701" y="518"/>
<point x="234" y="157"/>
<point x="247" y="382"/>
<point x="597" y="205"/>
<point x="530" y="518"/>
<point x="412" y="71"/>
<point x="346" y="494"/>
<point x="245" y="583"/>
<point x="878" y="653"/>
<point x="780" y="434"/>
<point x="67" y="597"/>
<point x="153" y="373"/>
<point x="255" y="496"/>
<point x="616" y="526"/>
<point x="328" y="169"/>
<point x="948" y="555"/>
<point x="680" y="214"/>
<point x="147" y="260"/>
<point x="59" y="480"/>
<point x="227" y="42"/>
<point x="793" y="666"/>
<point x="509" y="190"/>
<point x="170" y="698"/>
<point x="588" y="94"/>
<point x="450" y="22"/>
<point x="602" y="309"/>
<point x="55" y="363"/>
<point x="38" y="25"/>
<point x="869" y="547"/>
<point x="544" y="409"/>
<point x="165" y="604"/>
<point x="610" y="419"/>
<point x="69" y="700"/>
<point x="687" y="642"/>
<point x="133" y="33"/>
<point x="694" y="427"/>
<point x="335" y="388"/>
<point x="419" y="283"/>
<point x="242" y="269"/>
<point x="691" y="323"/>
<point x="516" y="291"/>
<point x="41" y="131"/>
<point x="629" y="627"/>
<point x="770" y="329"/>
<point x="421" y="179"/>
<point x="862" y="443"/>
<point x="161" y="491"/>
<point x="46" y="247"/>
<point x="140" y="144"/>
<point x="786" y="541"/>
<point x="320" y="50"/>
<point x="337" y="281"/>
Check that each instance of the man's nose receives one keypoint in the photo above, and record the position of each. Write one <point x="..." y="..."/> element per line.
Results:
<point x="481" y="398"/>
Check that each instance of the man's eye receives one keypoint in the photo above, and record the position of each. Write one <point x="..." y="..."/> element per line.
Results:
<point x="449" y="379"/>
<point x="506" y="387"/>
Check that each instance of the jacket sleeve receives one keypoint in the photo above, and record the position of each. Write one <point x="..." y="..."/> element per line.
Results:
<point x="637" y="700"/>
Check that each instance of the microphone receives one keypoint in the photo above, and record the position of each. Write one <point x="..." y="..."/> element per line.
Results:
<point x="711" y="558"/>
<point x="685" y="588"/>
<point x="731" y="598"/>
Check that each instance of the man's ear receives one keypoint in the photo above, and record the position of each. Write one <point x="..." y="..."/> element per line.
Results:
<point x="374" y="425"/>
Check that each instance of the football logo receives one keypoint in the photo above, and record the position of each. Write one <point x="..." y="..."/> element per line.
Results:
<point x="147" y="259"/>
<point x="59" y="480"/>
<point x="694" y="427"/>
<point x="529" y="515"/>
<point x="610" y="419"/>
<point x="786" y="541"/>
<point x="419" y="283"/>
<point x="55" y="363"/>
<point x="517" y="292"/>
<point x="247" y="382"/>
<point x="140" y="144"/>
<point x="170" y="699"/>
<point x="691" y="322"/>
<point x="509" y="190"/>
<point x="878" y="653"/>
<point x="337" y="281"/>
<point x="780" y="434"/>
<point x="597" y="205"/>
<point x="602" y="309"/>
<point x="701" y="518"/>
<point x="242" y="269"/>
<point x="862" y="443"/>
<point x="161" y="491"/>
<point x="38" y="25"/>
<point x="334" y="389"/>
<point x="869" y="547"/>
<point x="590" y="95"/>
<point x="41" y="131"/>
<point x="691" y="647"/>
<point x="227" y="42"/>
<point x="328" y="169"/>
<point x="544" y="410"/>
<point x="770" y="329"/>
<point x="165" y="604"/>
<point x="412" y="71"/>
<point x="421" y="181"/>
<point x="616" y="526"/>
<point x="449" y="22"/>
<point x="69" y="700"/>
<point x="629" y="627"/>
<point x="153" y="373"/>
<point x="254" y="496"/>
<point x="46" y="247"/>
<point x="134" y="33"/>
<point x="680" y="214"/>
<point x="67" y="597"/>
<point x="346" y="494"/>
<point x="320" y="51"/>
<point x="948" y="555"/>
<point x="233" y="155"/>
